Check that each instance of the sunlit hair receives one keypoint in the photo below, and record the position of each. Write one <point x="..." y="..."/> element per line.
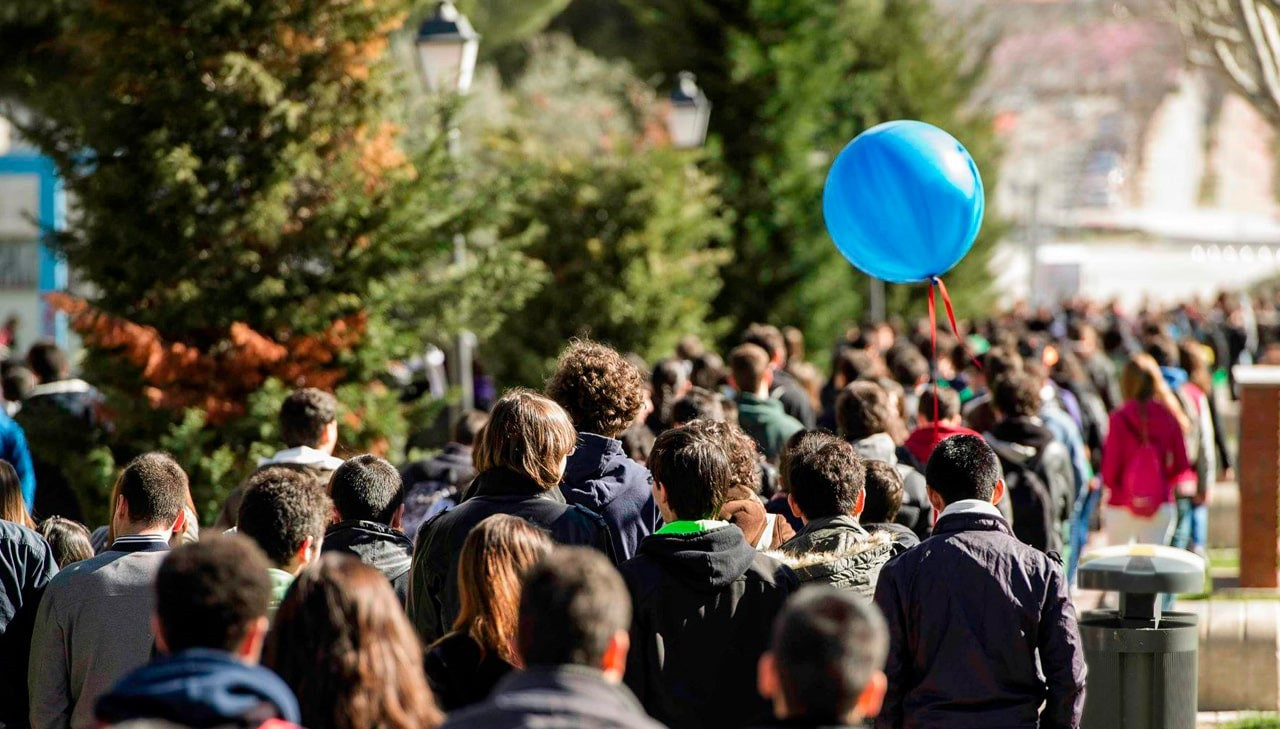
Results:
<point x="529" y="434"/>
<point x="70" y="540"/>
<point x="12" y="507"/>
<point x="1141" y="381"/>
<point x="495" y="558"/>
<point x="342" y="642"/>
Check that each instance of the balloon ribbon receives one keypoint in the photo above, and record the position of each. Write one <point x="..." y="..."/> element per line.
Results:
<point x="935" y="282"/>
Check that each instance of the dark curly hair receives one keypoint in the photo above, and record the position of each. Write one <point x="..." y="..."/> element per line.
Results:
<point x="599" y="388"/>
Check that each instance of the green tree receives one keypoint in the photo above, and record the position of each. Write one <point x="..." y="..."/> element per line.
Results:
<point x="792" y="81"/>
<point x="247" y="210"/>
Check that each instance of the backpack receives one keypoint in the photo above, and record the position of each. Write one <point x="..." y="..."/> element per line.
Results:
<point x="1143" y="475"/>
<point x="1031" y="500"/>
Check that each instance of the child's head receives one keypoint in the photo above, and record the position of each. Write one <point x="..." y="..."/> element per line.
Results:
<point x="883" y="493"/>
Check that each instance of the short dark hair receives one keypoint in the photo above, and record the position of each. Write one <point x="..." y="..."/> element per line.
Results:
<point x="1017" y="395"/>
<point x="748" y="364"/>
<point x="48" y="361"/>
<point x="599" y="388"/>
<point x="16" y="382"/>
<point x="767" y="337"/>
<point x="304" y="415"/>
<point x="827" y="644"/>
<point x="884" y="491"/>
<point x="999" y="361"/>
<point x="825" y="476"/>
<point x="1164" y="350"/>
<point x="698" y="404"/>
<point x="155" y="487"/>
<point x="280" y="508"/>
<point x="467" y="428"/>
<point x="862" y="410"/>
<point x="963" y="467"/>
<point x="694" y="466"/>
<point x="909" y="367"/>
<point x="209" y="593"/>
<point x="948" y="403"/>
<point x="572" y="603"/>
<point x="854" y="364"/>
<point x="366" y="488"/>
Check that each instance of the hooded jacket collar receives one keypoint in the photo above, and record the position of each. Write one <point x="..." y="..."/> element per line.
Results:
<point x="879" y="447"/>
<point x="1023" y="437"/>
<point x="704" y="561"/>
<point x="303" y="456"/>
<point x="503" y="482"/>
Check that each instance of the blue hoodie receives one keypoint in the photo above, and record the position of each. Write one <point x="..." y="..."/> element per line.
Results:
<point x="600" y="477"/>
<point x="200" y="688"/>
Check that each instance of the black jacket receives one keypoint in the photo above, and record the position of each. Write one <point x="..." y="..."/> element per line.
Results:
<point x="900" y="534"/>
<point x="600" y="477"/>
<point x="837" y="551"/>
<point x="555" y="697"/>
<point x="26" y="566"/>
<point x="460" y="673"/>
<point x="433" y="587"/>
<point x="434" y="485"/>
<point x="981" y="633"/>
<point x="1027" y="440"/>
<point x="385" y="549"/>
<point x="795" y="399"/>
<point x="703" y="608"/>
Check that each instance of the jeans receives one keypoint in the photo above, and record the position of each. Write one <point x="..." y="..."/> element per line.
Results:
<point x="1086" y="504"/>
<point x="1192" y="530"/>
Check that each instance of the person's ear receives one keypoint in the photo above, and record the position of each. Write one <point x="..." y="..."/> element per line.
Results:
<point x="122" y="510"/>
<point x="997" y="494"/>
<point x="872" y="697"/>
<point x="250" y="648"/>
<point x="162" y="645"/>
<point x="180" y="522"/>
<point x="397" y="519"/>
<point x="795" y="508"/>
<point x="733" y="383"/>
<point x="307" y="552"/>
<point x="614" y="662"/>
<point x="860" y="503"/>
<point x="935" y="498"/>
<point x="767" y="682"/>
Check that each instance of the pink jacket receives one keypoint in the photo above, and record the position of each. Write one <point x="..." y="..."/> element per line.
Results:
<point x="1124" y="438"/>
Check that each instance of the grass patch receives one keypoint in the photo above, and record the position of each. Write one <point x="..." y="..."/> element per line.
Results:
<point x="1261" y="721"/>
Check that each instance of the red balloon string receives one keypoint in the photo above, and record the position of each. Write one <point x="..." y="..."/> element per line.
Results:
<point x="935" y="282"/>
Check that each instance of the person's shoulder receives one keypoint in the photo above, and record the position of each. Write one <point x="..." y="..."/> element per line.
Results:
<point x="772" y="572"/>
<point x="485" y="715"/>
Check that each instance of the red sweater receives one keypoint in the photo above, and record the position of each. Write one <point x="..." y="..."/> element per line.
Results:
<point x="924" y="439"/>
<point x="1123" y="440"/>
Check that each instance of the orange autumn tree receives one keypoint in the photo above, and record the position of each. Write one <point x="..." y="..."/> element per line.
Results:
<point x="246" y="211"/>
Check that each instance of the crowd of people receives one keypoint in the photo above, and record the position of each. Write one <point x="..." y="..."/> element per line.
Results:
<point x="707" y="542"/>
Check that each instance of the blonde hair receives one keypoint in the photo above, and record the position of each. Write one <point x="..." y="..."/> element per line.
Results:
<point x="529" y="434"/>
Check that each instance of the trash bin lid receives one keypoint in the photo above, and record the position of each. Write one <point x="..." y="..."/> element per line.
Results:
<point x="1142" y="568"/>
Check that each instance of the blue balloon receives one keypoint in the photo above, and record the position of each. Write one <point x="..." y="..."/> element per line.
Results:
<point x="904" y="201"/>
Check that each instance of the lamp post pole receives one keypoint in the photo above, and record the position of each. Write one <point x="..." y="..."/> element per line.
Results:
<point x="447" y="50"/>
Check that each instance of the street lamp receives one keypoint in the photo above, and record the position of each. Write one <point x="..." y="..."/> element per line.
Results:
<point x="447" y="51"/>
<point x="690" y="113"/>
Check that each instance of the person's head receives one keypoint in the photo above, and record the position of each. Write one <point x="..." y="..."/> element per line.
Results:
<point x="826" y="661"/>
<point x="637" y="441"/>
<point x="770" y="339"/>
<point x="1017" y="395"/>
<point x="825" y="478"/>
<point x="908" y="367"/>
<point x="367" y="488"/>
<point x="1000" y="361"/>
<point x="947" y="405"/>
<point x="863" y="410"/>
<point x="286" y="514"/>
<point x="708" y="371"/>
<point x="698" y="404"/>
<point x="495" y="558"/>
<point x="47" y="361"/>
<point x="692" y="470"/>
<point x="963" y="467"/>
<point x="1194" y="358"/>
<point x="342" y="642"/>
<point x="467" y="428"/>
<point x="751" y="369"/>
<point x="669" y="381"/>
<point x="309" y="417"/>
<point x="528" y="434"/>
<point x="852" y="364"/>
<point x="744" y="461"/>
<point x="575" y="610"/>
<point x="12" y="506"/>
<point x="883" y="492"/>
<point x="1164" y="350"/>
<point x="16" y="382"/>
<point x="1140" y="378"/>
<point x="599" y="388"/>
<point x="70" y="540"/>
<point x="213" y="594"/>
<point x="149" y="495"/>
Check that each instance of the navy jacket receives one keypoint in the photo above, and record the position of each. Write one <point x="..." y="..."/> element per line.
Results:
<point x="600" y="477"/>
<point x="433" y="582"/>
<point x="555" y="697"/>
<point x="981" y="633"/>
<point x="200" y="688"/>
<point x="26" y="565"/>
<point x="385" y="549"/>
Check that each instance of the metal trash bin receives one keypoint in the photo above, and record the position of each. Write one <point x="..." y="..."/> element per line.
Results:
<point x="1142" y="663"/>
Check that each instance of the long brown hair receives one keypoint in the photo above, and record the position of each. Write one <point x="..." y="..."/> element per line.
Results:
<point x="343" y="644"/>
<point x="12" y="507"/>
<point x="1141" y="381"/>
<point x="529" y="434"/>
<point x="495" y="557"/>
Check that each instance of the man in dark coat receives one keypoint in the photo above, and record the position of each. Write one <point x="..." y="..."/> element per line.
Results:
<point x="367" y="502"/>
<point x="603" y="394"/>
<point x="826" y="478"/>
<point x="825" y="669"/>
<point x="702" y="597"/>
<point x="982" y="632"/>
<point x="574" y="615"/>
<point x="437" y="484"/>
